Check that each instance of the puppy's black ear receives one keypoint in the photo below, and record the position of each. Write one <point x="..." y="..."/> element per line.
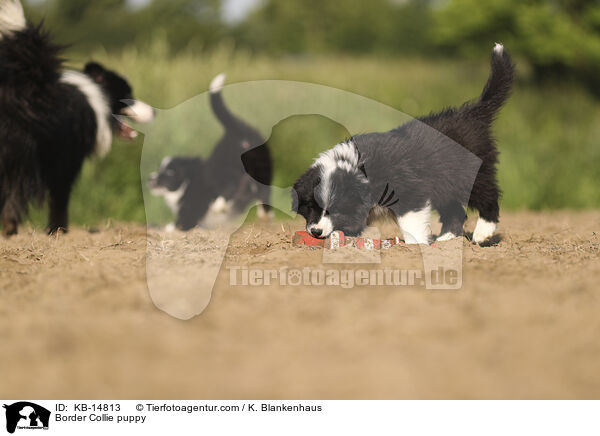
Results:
<point x="95" y="71"/>
<point x="301" y="189"/>
<point x="295" y="201"/>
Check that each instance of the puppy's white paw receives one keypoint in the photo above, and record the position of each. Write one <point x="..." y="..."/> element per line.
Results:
<point x="483" y="230"/>
<point x="415" y="226"/>
<point x="170" y="227"/>
<point x="220" y="206"/>
<point x="447" y="237"/>
<point x="411" y="240"/>
<point x="262" y="214"/>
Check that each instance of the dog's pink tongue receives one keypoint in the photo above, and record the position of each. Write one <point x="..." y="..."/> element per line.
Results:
<point x="126" y="132"/>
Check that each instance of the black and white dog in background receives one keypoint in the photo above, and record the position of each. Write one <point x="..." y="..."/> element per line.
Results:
<point x="413" y="169"/>
<point x="51" y="120"/>
<point x="216" y="190"/>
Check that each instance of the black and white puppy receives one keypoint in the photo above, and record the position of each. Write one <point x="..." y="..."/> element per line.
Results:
<point x="413" y="169"/>
<point x="51" y="120"/>
<point x="216" y="190"/>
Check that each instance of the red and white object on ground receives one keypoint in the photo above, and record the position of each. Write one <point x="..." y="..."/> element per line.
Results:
<point x="337" y="239"/>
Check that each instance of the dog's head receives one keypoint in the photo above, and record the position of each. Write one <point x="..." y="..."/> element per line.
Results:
<point x="120" y="99"/>
<point x="329" y="200"/>
<point x="174" y="174"/>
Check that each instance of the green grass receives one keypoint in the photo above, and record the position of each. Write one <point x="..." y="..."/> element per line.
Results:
<point x="548" y="136"/>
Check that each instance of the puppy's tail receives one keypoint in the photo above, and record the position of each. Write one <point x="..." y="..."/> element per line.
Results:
<point x="12" y="18"/>
<point x="498" y="86"/>
<point x="217" y="104"/>
<point x="27" y="54"/>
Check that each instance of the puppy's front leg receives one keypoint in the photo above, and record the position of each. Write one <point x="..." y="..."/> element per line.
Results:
<point x="59" y="209"/>
<point x="415" y="225"/>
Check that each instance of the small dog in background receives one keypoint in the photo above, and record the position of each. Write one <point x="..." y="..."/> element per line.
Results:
<point x="413" y="169"/>
<point x="51" y="120"/>
<point x="216" y="190"/>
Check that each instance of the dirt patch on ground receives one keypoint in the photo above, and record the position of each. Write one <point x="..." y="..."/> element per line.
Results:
<point x="77" y="320"/>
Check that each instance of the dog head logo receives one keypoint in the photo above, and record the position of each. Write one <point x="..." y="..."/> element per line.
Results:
<point x="26" y="415"/>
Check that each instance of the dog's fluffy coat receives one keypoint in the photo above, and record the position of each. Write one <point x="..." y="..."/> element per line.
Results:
<point x="443" y="161"/>
<point x="51" y="120"/>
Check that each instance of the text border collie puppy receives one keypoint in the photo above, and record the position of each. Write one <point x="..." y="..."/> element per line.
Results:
<point x="210" y="192"/>
<point x="51" y="120"/>
<point x="413" y="169"/>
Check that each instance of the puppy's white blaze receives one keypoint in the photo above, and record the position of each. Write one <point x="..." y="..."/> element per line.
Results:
<point x="498" y="48"/>
<point x="342" y="152"/>
<point x="324" y="225"/>
<point x="415" y="225"/>
<point x="139" y="111"/>
<point x="217" y="83"/>
<point x="483" y="230"/>
<point x="346" y="151"/>
<point x="446" y="237"/>
<point x="344" y="166"/>
<point x="344" y="155"/>
<point x="97" y="100"/>
<point x="12" y="18"/>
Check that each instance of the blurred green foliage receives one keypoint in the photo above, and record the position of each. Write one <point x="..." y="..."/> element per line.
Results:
<point x="114" y="24"/>
<point x="350" y="26"/>
<point x="558" y="38"/>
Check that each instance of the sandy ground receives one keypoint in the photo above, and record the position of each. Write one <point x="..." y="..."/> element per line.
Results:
<point x="77" y="320"/>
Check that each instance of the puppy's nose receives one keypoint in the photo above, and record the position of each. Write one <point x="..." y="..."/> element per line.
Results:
<point x="316" y="232"/>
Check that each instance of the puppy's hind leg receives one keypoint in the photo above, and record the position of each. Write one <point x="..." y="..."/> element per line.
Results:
<point x="489" y="212"/>
<point x="452" y="217"/>
<point x="59" y="209"/>
<point x="415" y="225"/>
<point x="264" y="212"/>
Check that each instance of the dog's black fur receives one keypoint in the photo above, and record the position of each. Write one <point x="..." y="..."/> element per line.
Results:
<point x="416" y="166"/>
<point x="47" y="125"/>
<point x="239" y="170"/>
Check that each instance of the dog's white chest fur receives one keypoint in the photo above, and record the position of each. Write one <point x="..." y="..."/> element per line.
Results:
<point x="172" y="198"/>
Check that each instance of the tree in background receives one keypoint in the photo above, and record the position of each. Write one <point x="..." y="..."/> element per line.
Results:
<point x="114" y="24"/>
<point x="348" y="26"/>
<point x="557" y="37"/>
